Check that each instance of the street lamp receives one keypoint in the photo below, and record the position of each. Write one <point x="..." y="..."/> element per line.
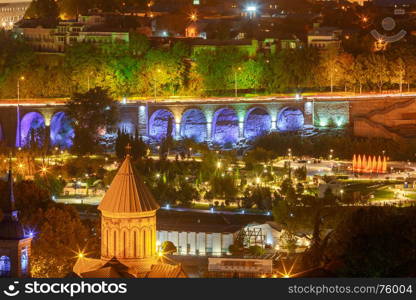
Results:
<point x="158" y="71"/>
<point x="19" y="132"/>
<point x="235" y="81"/>
<point x="193" y="17"/>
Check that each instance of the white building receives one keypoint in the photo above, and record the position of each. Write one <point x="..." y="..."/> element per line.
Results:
<point x="324" y="37"/>
<point x="215" y="239"/>
<point x="244" y="267"/>
<point x="12" y="11"/>
<point x="86" y="29"/>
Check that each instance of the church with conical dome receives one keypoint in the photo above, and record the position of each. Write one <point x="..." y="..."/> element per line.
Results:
<point x="15" y="244"/>
<point x="128" y="233"/>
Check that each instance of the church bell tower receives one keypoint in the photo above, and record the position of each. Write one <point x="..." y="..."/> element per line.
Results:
<point x="15" y="245"/>
<point x="128" y="219"/>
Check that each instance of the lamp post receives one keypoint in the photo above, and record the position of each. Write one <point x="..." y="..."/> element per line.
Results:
<point x="19" y="132"/>
<point x="155" y="92"/>
<point x="289" y="153"/>
<point x="235" y="82"/>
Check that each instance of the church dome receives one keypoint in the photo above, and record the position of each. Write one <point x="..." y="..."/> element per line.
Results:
<point x="128" y="193"/>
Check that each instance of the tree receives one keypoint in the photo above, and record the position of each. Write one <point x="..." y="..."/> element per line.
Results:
<point x="216" y="67"/>
<point x="259" y="196"/>
<point x="45" y="10"/>
<point x="91" y="112"/>
<point x="378" y="69"/>
<point x="59" y="236"/>
<point x="168" y="247"/>
<point x="256" y="250"/>
<point x="398" y="68"/>
<point x="330" y="67"/>
<point x="359" y="72"/>
<point x="162" y="73"/>
<point x="15" y="57"/>
<point x="366" y="243"/>
<point x="300" y="173"/>
<point x="293" y="69"/>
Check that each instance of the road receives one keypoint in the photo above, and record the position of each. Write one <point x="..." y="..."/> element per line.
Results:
<point x="96" y="201"/>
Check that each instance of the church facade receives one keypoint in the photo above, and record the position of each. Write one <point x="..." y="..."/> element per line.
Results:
<point x="15" y="244"/>
<point x="128" y="233"/>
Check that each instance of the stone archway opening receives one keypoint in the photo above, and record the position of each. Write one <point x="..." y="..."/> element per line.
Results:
<point x="258" y="122"/>
<point x="194" y="125"/>
<point x="62" y="132"/>
<point x="161" y="124"/>
<point x="290" y="119"/>
<point x="32" y="129"/>
<point x="225" y="126"/>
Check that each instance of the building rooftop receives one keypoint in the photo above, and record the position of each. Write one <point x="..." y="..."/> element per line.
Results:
<point x="206" y="222"/>
<point x="128" y="193"/>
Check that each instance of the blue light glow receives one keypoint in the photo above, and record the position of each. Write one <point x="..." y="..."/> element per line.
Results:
<point x="194" y="125"/>
<point x="62" y="132"/>
<point x="30" y="127"/>
<point x="158" y="124"/>
<point x="258" y="122"/>
<point x="225" y="126"/>
<point x="290" y="119"/>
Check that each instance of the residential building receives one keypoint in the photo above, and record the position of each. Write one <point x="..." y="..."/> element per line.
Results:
<point x="12" y="11"/>
<point x="239" y="267"/>
<point x="86" y="29"/>
<point x="324" y="37"/>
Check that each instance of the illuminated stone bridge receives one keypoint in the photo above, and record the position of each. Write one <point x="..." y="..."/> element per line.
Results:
<point x="221" y="120"/>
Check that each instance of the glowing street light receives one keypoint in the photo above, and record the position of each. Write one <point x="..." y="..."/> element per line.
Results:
<point x="19" y="129"/>
<point x="193" y="17"/>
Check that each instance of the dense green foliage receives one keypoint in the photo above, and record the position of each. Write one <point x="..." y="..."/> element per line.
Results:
<point x="138" y="69"/>
<point x="92" y="113"/>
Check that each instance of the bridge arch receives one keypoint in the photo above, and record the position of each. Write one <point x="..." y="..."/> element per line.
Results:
<point x="32" y="126"/>
<point x="159" y="123"/>
<point x="290" y="119"/>
<point x="225" y="126"/>
<point x="257" y="122"/>
<point x="194" y="124"/>
<point x="61" y="130"/>
<point x="127" y="127"/>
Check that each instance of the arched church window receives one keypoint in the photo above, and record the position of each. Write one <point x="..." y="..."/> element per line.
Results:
<point x="5" y="266"/>
<point x="24" y="260"/>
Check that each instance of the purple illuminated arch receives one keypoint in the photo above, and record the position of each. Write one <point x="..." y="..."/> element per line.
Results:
<point x="31" y="126"/>
<point x="290" y="119"/>
<point x="258" y="122"/>
<point x="62" y="132"/>
<point x="158" y="124"/>
<point x="225" y="126"/>
<point x="127" y="127"/>
<point x="194" y="125"/>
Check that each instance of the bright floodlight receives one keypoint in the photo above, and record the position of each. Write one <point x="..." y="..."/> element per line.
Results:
<point x="251" y="8"/>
